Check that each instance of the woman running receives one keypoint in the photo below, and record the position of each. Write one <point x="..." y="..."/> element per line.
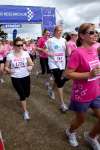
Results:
<point x="43" y="56"/>
<point x="56" y="47"/>
<point x="84" y="69"/>
<point x="19" y="65"/>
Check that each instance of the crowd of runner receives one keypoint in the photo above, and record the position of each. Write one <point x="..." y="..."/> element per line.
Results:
<point x="74" y="57"/>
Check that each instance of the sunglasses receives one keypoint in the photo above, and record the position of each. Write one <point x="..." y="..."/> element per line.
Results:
<point x="74" y="34"/>
<point x="19" y="45"/>
<point x="92" y="32"/>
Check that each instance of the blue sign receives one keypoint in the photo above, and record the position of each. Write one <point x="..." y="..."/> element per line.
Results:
<point x="48" y="11"/>
<point x="28" y="14"/>
<point x="20" y="14"/>
<point x="12" y="25"/>
<point x="49" y="19"/>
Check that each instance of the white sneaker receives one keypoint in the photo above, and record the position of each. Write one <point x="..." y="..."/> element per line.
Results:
<point x="51" y="93"/>
<point x="2" y="80"/>
<point x="51" y="78"/>
<point x="93" y="142"/>
<point x="63" y="107"/>
<point x="72" y="138"/>
<point x="38" y="73"/>
<point x="47" y="84"/>
<point x="26" y="115"/>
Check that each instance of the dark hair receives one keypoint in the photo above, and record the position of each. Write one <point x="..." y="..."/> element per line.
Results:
<point x="44" y="31"/>
<point x="78" y="42"/>
<point x="99" y="39"/>
<point x="16" y="40"/>
<point x="67" y="37"/>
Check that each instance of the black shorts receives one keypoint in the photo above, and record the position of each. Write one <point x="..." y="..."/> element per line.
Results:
<point x="1" y="61"/>
<point x="4" y="59"/>
<point x="57" y="73"/>
<point x="22" y="86"/>
<point x="33" y="57"/>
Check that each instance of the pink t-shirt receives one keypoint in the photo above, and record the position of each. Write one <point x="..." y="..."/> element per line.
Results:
<point x="30" y="48"/>
<point x="96" y="45"/>
<point x="71" y="45"/>
<point x="83" y="60"/>
<point x="41" y="44"/>
<point x="2" y="52"/>
<point x="7" y="49"/>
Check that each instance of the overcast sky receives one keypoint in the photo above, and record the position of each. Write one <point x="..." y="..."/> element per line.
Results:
<point x="72" y="12"/>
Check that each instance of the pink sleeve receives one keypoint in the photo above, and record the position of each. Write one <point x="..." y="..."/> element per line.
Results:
<point x="39" y="42"/>
<point x="74" y="60"/>
<point x="33" y="47"/>
<point x="70" y="48"/>
<point x="2" y="53"/>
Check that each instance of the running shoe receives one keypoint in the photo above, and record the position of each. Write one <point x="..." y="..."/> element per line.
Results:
<point x="72" y="138"/>
<point x="63" y="107"/>
<point x="2" y="80"/>
<point x="26" y="115"/>
<point x="51" y="93"/>
<point x="93" y="142"/>
<point x="47" y="84"/>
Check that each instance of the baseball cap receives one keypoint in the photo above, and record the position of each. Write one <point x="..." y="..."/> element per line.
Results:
<point x="73" y="32"/>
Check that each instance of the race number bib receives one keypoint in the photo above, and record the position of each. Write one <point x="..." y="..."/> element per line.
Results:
<point x="18" y="64"/>
<point x="92" y="65"/>
<point x="59" y="57"/>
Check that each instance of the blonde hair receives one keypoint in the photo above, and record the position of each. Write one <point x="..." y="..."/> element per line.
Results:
<point x="57" y="27"/>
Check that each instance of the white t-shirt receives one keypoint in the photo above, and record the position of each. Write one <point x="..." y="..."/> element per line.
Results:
<point x="58" y="48"/>
<point x="18" y="64"/>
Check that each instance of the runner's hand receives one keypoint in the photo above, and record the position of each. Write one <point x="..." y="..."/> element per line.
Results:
<point x="95" y="72"/>
<point x="29" y="68"/>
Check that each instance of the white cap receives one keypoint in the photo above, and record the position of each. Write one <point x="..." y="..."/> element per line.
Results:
<point x="27" y="38"/>
<point x="73" y="32"/>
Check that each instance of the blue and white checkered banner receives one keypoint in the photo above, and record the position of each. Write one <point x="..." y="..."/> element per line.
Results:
<point x="20" y="14"/>
<point x="28" y="14"/>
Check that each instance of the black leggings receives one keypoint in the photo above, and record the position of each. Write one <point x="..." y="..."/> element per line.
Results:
<point x="44" y="65"/>
<point x="22" y="86"/>
<point x="57" y="73"/>
<point x="33" y="57"/>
